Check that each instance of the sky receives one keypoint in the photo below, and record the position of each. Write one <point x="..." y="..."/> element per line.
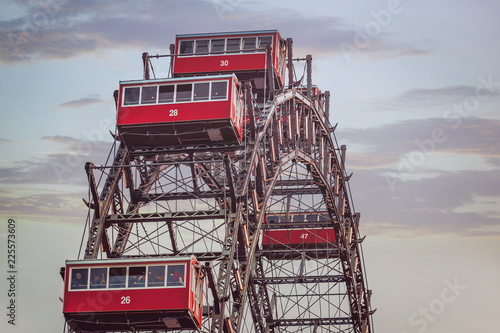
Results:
<point x="415" y="90"/>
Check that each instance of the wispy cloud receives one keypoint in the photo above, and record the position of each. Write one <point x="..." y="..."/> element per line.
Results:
<point x="438" y="100"/>
<point x="428" y="206"/>
<point x="48" y="206"/>
<point x="417" y="175"/>
<point x="387" y="143"/>
<point x="68" y="141"/>
<point x="325" y="36"/>
<point x="50" y="187"/>
<point x="79" y="103"/>
<point x="64" y="167"/>
<point x="57" y="30"/>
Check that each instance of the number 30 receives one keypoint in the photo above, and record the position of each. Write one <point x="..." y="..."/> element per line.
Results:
<point x="224" y="63"/>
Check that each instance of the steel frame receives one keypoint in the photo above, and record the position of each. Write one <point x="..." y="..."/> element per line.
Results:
<point x="212" y="201"/>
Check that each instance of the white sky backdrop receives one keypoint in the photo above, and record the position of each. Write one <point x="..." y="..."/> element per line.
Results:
<point x="415" y="89"/>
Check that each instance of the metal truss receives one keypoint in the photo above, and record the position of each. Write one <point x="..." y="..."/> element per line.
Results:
<point x="212" y="201"/>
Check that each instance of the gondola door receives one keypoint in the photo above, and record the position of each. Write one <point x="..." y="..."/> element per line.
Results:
<point x="196" y="291"/>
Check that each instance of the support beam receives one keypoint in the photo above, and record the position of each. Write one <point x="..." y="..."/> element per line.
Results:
<point x="270" y="71"/>
<point x="145" y="65"/>
<point x="166" y="217"/>
<point x="250" y="110"/>
<point x="289" y="44"/>
<point x="97" y="233"/>
<point x="311" y="322"/>
<point x="212" y="286"/>
<point x="181" y="196"/>
<point x="309" y="75"/>
<point x="303" y="279"/>
<point x="93" y="189"/>
<point x="327" y="108"/>
<point x="230" y="180"/>
<point x="173" y="239"/>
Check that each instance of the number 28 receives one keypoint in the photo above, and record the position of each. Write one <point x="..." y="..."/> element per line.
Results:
<point x="173" y="113"/>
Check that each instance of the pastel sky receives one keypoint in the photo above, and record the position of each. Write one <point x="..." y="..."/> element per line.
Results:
<point x="415" y="89"/>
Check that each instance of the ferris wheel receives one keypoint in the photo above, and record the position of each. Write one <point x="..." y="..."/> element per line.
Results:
<point x="225" y="204"/>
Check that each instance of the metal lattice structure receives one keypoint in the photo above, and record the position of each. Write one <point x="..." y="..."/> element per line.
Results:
<point x="214" y="201"/>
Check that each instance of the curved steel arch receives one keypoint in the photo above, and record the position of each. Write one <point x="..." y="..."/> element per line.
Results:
<point x="284" y="160"/>
<point x="229" y="190"/>
<point x="348" y="248"/>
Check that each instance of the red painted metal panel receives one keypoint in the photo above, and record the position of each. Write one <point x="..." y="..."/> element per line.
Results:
<point x="192" y="122"/>
<point x="186" y="111"/>
<point x="219" y="63"/>
<point x="196" y="293"/>
<point x="119" y="300"/>
<point x="161" y="113"/>
<point x="293" y="237"/>
<point x="127" y="299"/>
<point x="230" y="62"/>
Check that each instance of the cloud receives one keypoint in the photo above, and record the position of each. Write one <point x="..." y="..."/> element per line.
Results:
<point x="79" y="103"/>
<point x="65" y="140"/>
<point x="428" y="206"/>
<point x="409" y="181"/>
<point x="386" y="144"/>
<point x="51" y="187"/>
<point x="472" y="98"/>
<point x="63" y="167"/>
<point x="59" y="30"/>
<point x="50" y="206"/>
<point x="430" y="97"/>
<point x="324" y="36"/>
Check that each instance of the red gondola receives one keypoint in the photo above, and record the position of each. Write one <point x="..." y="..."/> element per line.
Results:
<point x="297" y="238"/>
<point x="242" y="53"/>
<point x="299" y="231"/>
<point x="131" y="294"/>
<point x="180" y="111"/>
